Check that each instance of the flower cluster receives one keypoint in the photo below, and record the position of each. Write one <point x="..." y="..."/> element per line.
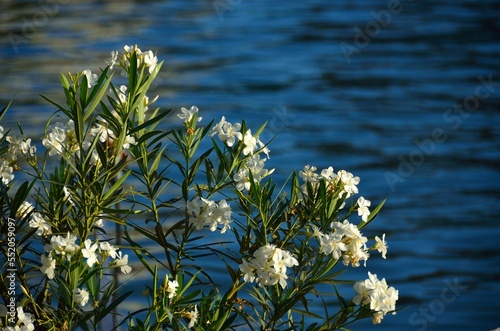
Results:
<point x="107" y="136"/>
<point x="345" y="241"/>
<point x="147" y="59"/>
<point x="346" y="180"/>
<point x="24" y="210"/>
<point x="37" y="221"/>
<point x="6" y="172"/>
<point x="105" y="122"/>
<point x="377" y="295"/>
<point x="170" y="287"/>
<point x="210" y="213"/>
<point x="268" y="266"/>
<point x="60" y="138"/>
<point x="24" y="322"/>
<point x="342" y="183"/>
<point x="230" y="134"/>
<point x="253" y="165"/>
<point x="17" y="145"/>
<point x="227" y="132"/>
<point x="64" y="248"/>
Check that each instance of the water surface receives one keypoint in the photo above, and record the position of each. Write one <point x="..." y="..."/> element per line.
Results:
<point x="367" y="112"/>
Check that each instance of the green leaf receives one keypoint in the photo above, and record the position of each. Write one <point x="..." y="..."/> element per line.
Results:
<point x="84" y="88"/>
<point x="97" y="94"/>
<point x="114" y="304"/>
<point x="138" y="252"/>
<point x="61" y="108"/>
<point x="4" y="109"/>
<point x="117" y="185"/>
<point x="373" y="214"/>
<point x="306" y="313"/>
<point x="150" y="122"/>
<point x="132" y="74"/>
<point x="188" y="284"/>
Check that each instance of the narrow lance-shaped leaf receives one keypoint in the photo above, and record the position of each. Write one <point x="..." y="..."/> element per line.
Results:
<point x="372" y="215"/>
<point x="96" y="97"/>
<point x="117" y="184"/>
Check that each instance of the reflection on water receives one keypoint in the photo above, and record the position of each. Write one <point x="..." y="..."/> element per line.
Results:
<point x="282" y="62"/>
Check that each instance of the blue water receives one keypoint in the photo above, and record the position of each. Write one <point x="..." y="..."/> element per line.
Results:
<point x="366" y="107"/>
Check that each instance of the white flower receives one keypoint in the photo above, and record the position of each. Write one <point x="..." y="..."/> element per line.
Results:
<point x="270" y="264"/>
<point x="196" y="207"/>
<point x="187" y="114"/>
<point x="381" y="245"/>
<point x="6" y="173"/>
<point x="105" y="134"/>
<point x="308" y="174"/>
<point x="91" y="78"/>
<point x="26" y="319"/>
<point x="332" y="244"/>
<point x="146" y="102"/>
<point x="328" y="174"/>
<point x="38" y="222"/>
<point x="48" y="266"/>
<point x="242" y="179"/>
<point x="61" y="137"/>
<point x="26" y="148"/>
<point x="122" y="94"/>
<point x="250" y="143"/>
<point x="63" y="245"/>
<point x="129" y="140"/>
<point x="354" y="243"/>
<point x="255" y="166"/>
<point x="172" y="286"/>
<point x="101" y="130"/>
<point x="248" y="271"/>
<point x="110" y="249"/>
<point x="112" y="59"/>
<point x="193" y="317"/>
<point x="88" y="252"/>
<point x="20" y="145"/>
<point x="263" y="147"/>
<point x="150" y="60"/>
<point x="207" y="212"/>
<point x="81" y="296"/>
<point x="218" y="128"/>
<point x="231" y="133"/>
<point x="129" y="51"/>
<point x="132" y="49"/>
<point x="362" y="293"/>
<point x="99" y="223"/>
<point x="67" y="195"/>
<point x="122" y="262"/>
<point x="316" y="231"/>
<point x="349" y="181"/>
<point x="24" y="209"/>
<point x="55" y="140"/>
<point x="377" y="317"/>
<point x="222" y="215"/>
<point x="363" y="210"/>
<point x="375" y="293"/>
<point x="1" y="132"/>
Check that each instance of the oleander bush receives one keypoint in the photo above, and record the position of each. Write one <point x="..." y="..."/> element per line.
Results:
<point x="122" y="190"/>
